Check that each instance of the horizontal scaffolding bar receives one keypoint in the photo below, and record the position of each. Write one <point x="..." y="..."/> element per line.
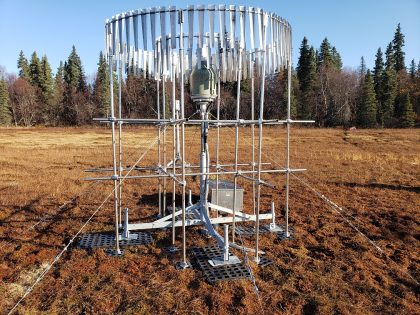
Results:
<point x="198" y="174"/>
<point x="155" y="168"/>
<point x="189" y="222"/>
<point x="152" y="121"/>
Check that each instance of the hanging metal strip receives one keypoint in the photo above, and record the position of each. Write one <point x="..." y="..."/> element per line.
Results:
<point x="145" y="62"/>
<point x="150" y="68"/>
<point x="281" y="43"/>
<point x="233" y="56"/>
<point x="153" y="28"/>
<point x="144" y="14"/>
<point x="208" y="49"/>
<point x="271" y="52"/>
<point x="164" y="58"/>
<point x="172" y="10"/>
<point x="163" y="27"/>
<point x="190" y="35"/>
<point x="223" y="40"/>
<point x="139" y="61"/>
<point x="242" y="18"/>
<point x="251" y="28"/>
<point x="211" y="9"/>
<point x="128" y="29"/>
<point x="200" y="9"/>
<point x="260" y="34"/>
<point x="106" y="39"/>
<point x="120" y="36"/>
<point x="114" y="36"/>
<point x="136" y="29"/>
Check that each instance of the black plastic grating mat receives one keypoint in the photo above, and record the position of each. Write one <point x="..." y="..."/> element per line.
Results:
<point x="250" y="230"/>
<point x="264" y="262"/>
<point x="97" y="240"/>
<point x="220" y="273"/>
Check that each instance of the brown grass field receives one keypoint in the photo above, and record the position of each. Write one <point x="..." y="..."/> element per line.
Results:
<point x="327" y="268"/>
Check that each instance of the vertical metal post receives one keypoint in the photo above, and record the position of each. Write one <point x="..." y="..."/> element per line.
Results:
<point x="289" y="86"/>
<point x="238" y="102"/>
<point x="126" y="231"/>
<point x="159" y="146"/>
<point x="120" y="66"/>
<point x="273" y="213"/>
<point x="226" y="243"/>
<point x="174" y="141"/>
<point x="203" y="158"/>
<point x="164" y="141"/>
<point x="181" y="54"/>
<point x="253" y="129"/>
<point x="114" y="153"/>
<point x="260" y="136"/>
<point x="218" y="135"/>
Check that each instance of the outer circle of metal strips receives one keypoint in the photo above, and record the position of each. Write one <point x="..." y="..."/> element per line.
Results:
<point x="147" y="41"/>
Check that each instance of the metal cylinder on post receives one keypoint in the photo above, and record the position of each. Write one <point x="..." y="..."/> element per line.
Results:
<point x="226" y="241"/>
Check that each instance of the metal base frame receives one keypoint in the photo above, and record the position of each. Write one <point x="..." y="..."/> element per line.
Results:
<point x="107" y="240"/>
<point x="203" y="255"/>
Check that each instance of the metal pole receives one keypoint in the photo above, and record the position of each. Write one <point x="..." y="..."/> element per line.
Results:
<point x="226" y="245"/>
<point x="114" y="155"/>
<point x="218" y="135"/>
<point x="289" y="86"/>
<point x="174" y="141"/>
<point x="181" y="54"/>
<point x="120" y="66"/>
<point x="126" y="231"/>
<point x="159" y="141"/>
<point x="203" y="157"/>
<point x="260" y="136"/>
<point x="253" y="129"/>
<point x="235" y="179"/>
<point x="164" y="141"/>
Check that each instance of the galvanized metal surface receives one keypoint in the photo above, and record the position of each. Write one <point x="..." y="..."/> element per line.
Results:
<point x="220" y="273"/>
<point x="103" y="240"/>
<point x="225" y="195"/>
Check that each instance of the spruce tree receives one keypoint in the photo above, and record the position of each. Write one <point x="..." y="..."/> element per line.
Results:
<point x="377" y="73"/>
<point x="388" y="90"/>
<point x="35" y="70"/>
<point x="367" y="107"/>
<point x="101" y="87"/>
<point x="418" y="71"/>
<point x="73" y="72"/>
<point x="389" y="56"/>
<point x="23" y="67"/>
<point x="362" y="68"/>
<point x="5" y="112"/>
<point x="397" y="45"/>
<point x="46" y="84"/>
<point x="58" y="94"/>
<point x="302" y="68"/>
<point x="306" y="74"/>
<point x="324" y="54"/>
<point x="412" y="69"/>
<point x="336" y="58"/>
<point x="407" y="113"/>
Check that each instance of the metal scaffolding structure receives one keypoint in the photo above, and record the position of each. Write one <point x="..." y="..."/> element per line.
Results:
<point x="258" y="46"/>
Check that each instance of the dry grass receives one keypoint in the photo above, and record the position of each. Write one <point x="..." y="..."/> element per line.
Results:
<point x="327" y="268"/>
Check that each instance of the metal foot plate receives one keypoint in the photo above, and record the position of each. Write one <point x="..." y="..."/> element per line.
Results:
<point x="98" y="240"/>
<point x="250" y="230"/>
<point x="219" y="273"/>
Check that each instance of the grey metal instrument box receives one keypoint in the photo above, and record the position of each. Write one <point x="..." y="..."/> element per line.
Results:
<point x="226" y="194"/>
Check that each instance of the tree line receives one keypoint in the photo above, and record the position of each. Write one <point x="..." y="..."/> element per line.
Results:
<point x="386" y="96"/>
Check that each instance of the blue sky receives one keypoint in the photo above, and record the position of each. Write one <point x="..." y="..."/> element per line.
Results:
<point x="356" y="27"/>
